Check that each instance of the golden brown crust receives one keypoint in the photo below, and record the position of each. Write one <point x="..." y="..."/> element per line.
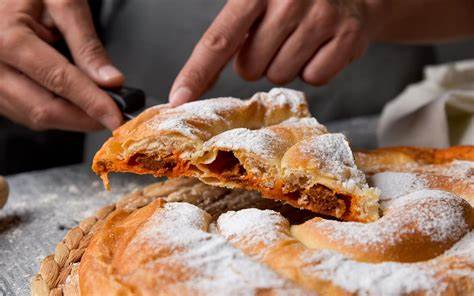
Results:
<point x="391" y="158"/>
<point x="259" y="144"/>
<point x="447" y="169"/>
<point x="430" y="231"/>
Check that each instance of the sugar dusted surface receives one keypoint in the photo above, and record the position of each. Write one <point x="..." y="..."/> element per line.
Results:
<point x="252" y="227"/>
<point x="335" y="158"/>
<point x="372" y="279"/>
<point x="216" y="266"/>
<point x="284" y="97"/>
<point x="262" y="142"/>
<point x="430" y="213"/>
<point x="389" y="278"/>
<point x="178" y="119"/>
<point x="393" y="184"/>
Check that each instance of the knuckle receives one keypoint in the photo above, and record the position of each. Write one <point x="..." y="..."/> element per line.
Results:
<point x="91" y="50"/>
<point x="39" y="117"/>
<point x="11" y="39"/>
<point x="352" y="27"/>
<point x="194" y="77"/>
<point x="217" y="41"/>
<point x="64" y="3"/>
<point x="290" y="6"/>
<point x="55" y="79"/>
<point x="248" y="6"/>
<point x="326" y="16"/>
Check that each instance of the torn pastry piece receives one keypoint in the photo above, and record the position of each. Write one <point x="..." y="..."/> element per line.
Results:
<point x="162" y="139"/>
<point x="297" y="162"/>
<point x="323" y="172"/>
<point x="265" y="151"/>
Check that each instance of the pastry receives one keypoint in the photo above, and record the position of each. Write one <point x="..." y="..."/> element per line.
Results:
<point x="183" y="237"/>
<point x="268" y="143"/>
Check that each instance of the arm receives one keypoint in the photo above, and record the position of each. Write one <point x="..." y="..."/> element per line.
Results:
<point x="428" y="21"/>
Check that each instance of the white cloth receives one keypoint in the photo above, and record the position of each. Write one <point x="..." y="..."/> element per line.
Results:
<point x="436" y="112"/>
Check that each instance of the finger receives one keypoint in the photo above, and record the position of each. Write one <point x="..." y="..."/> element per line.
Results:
<point x="280" y="20"/>
<point x="215" y="49"/>
<point x="331" y="58"/>
<point x="25" y="52"/>
<point x="27" y="103"/>
<point x="74" y="21"/>
<point x="46" y="19"/>
<point x="316" y="29"/>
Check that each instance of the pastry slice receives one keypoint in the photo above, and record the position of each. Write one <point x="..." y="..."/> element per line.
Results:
<point x="268" y="143"/>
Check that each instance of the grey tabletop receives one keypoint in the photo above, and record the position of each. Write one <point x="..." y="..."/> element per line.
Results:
<point x="43" y="205"/>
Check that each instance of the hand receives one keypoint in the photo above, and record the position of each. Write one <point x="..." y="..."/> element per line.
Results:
<point x="39" y="87"/>
<point x="280" y="39"/>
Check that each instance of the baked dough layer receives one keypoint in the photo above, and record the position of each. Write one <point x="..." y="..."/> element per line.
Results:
<point x="345" y="268"/>
<point x="268" y="143"/>
<point x="422" y="244"/>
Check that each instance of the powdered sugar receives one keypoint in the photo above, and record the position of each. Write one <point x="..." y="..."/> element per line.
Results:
<point x="189" y="119"/>
<point x="308" y="122"/>
<point x="458" y="169"/>
<point x="251" y="227"/>
<point x="216" y="266"/>
<point x="334" y="156"/>
<point x="393" y="185"/>
<point x="265" y="228"/>
<point x="436" y="215"/>
<point x="180" y="119"/>
<point x="372" y="279"/>
<point x="263" y="142"/>
<point x="284" y="98"/>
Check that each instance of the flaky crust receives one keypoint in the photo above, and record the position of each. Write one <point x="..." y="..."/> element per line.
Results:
<point x="445" y="169"/>
<point x="268" y="143"/>
<point x="156" y="241"/>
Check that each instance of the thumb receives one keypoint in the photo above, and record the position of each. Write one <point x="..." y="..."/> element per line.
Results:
<point x="74" y="21"/>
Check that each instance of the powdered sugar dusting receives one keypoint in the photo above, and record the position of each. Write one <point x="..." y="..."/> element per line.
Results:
<point x="216" y="266"/>
<point x="393" y="185"/>
<point x="334" y="157"/>
<point x="251" y="227"/>
<point x="264" y="227"/>
<point x="459" y="169"/>
<point x="262" y="142"/>
<point x="436" y="215"/>
<point x="183" y="119"/>
<point x="372" y="279"/>
<point x="284" y="98"/>
<point x="180" y="119"/>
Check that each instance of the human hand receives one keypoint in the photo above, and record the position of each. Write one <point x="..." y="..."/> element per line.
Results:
<point x="39" y="87"/>
<point x="280" y="39"/>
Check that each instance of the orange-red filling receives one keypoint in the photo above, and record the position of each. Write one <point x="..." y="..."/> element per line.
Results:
<point x="227" y="168"/>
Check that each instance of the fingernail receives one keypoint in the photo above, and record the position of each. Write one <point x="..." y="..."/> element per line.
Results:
<point x="111" y="122"/>
<point x="109" y="72"/>
<point x="181" y="96"/>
